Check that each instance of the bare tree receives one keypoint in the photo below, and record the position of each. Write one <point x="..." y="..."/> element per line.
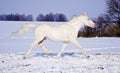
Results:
<point x="113" y="9"/>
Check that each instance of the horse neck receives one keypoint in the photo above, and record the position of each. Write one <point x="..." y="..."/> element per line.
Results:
<point x="76" y="25"/>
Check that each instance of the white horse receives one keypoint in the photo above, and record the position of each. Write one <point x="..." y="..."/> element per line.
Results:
<point x="64" y="33"/>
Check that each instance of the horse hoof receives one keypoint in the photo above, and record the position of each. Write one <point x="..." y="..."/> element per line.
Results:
<point x="48" y="54"/>
<point x="88" y="57"/>
<point x="24" y="57"/>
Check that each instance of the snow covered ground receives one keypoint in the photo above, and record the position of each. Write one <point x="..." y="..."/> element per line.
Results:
<point x="70" y="63"/>
<point x="105" y="54"/>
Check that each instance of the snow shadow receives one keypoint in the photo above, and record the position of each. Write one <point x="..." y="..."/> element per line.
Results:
<point x="71" y="54"/>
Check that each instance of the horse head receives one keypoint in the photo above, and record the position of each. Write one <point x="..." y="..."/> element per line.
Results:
<point x="87" y="21"/>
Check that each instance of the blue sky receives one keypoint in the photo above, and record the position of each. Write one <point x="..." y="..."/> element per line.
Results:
<point x="68" y="7"/>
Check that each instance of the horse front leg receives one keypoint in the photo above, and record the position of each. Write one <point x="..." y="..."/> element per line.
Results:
<point x="30" y="49"/>
<point x="75" y="42"/>
<point x="63" y="48"/>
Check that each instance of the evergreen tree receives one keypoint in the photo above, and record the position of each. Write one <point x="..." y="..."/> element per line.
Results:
<point x="62" y="17"/>
<point x="49" y="17"/>
<point x="40" y="17"/>
<point x="29" y="18"/>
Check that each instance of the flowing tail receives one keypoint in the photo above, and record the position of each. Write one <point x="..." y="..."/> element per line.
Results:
<point x="24" y="29"/>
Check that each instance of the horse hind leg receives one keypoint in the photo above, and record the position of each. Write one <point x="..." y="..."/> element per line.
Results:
<point x="42" y="45"/>
<point x="32" y="46"/>
<point x="30" y="49"/>
<point x="42" y="40"/>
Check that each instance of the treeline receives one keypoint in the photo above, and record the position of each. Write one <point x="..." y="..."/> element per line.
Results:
<point x="16" y="17"/>
<point x="40" y="17"/>
<point x="107" y="24"/>
<point x="52" y="17"/>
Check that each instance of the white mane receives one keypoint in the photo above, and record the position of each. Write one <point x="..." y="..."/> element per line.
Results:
<point x="73" y="19"/>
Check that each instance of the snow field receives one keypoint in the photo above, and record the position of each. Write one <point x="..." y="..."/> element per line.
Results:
<point x="72" y="63"/>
